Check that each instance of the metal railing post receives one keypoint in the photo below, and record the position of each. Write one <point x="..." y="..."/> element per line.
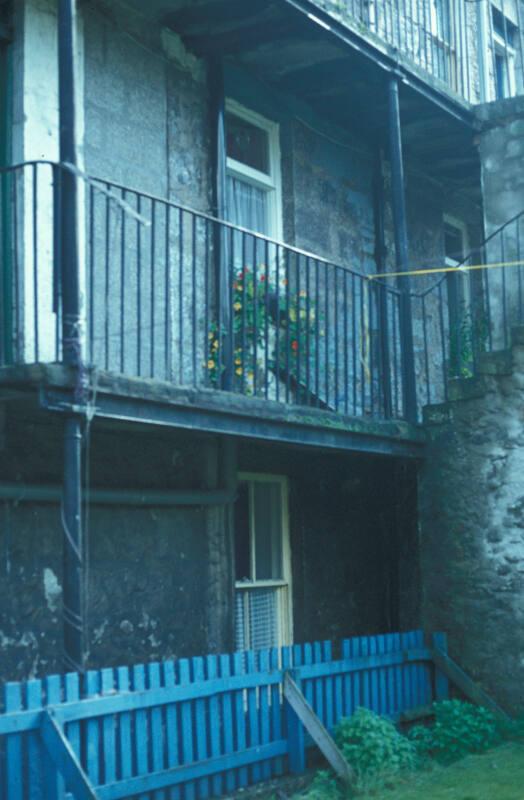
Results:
<point x="409" y="391"/>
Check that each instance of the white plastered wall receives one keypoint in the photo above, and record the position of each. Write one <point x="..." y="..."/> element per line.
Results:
<point x="35" y="138"/>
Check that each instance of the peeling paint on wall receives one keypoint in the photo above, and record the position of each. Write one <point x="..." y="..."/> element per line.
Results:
<point x="52" y="590"/>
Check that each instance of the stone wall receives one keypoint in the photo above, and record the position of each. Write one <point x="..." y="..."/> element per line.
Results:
<point x="471" y="505"/>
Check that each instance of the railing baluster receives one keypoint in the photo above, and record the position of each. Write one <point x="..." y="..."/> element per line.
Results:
<point x="181" y="295"/>
<point x="152" y="291"/>
<point x="139" y="287"/>
<point x="194" y="297"/>
<point x="122" y="284"/>
<point x="34" y="228"/>
<point x="426" y="355"/>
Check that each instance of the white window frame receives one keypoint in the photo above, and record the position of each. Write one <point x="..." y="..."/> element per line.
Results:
<point x="270" y="182"/>
<point x="493" y="44"/>
<point x="461" y="226"/>
<point x="284" y="585"/>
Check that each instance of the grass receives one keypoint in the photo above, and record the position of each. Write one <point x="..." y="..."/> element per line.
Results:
<point x="495" y="775"/>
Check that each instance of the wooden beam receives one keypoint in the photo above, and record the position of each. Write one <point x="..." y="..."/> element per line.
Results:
<point x="63" y="756"/>
<point x="317" y="731"/>
<point x="472" y="690"/>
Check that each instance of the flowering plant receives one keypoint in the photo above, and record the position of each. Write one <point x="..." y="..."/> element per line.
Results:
<point x="270" y="325"/>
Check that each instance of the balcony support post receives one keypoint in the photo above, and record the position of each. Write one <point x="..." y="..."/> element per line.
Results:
<point x="401" y="251"/>
<point x="68" y="259"/>
<point x="220" y="233"/>
<point x="380" y="261"/>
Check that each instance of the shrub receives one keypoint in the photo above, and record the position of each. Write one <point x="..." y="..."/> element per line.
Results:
<point x="374" y="748"/>
<point x="460" y="728"/>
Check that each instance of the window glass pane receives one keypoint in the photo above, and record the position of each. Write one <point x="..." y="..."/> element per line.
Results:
<point x="242" y="547"/>
<point x="247" y="143"/>
<point x="268" y="530"/>
<point x="453" y="243"/>
<point x="247" y="205"/>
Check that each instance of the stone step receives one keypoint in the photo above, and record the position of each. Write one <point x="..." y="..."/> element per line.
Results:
<point x="500" y="362"/>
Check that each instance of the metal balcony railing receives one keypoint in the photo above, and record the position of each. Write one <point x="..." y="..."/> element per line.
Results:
<point x="176" y="295"/>
<point x="474" y="48"/>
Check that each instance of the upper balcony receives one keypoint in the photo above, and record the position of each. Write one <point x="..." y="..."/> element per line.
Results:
<point x="235" y="331"/>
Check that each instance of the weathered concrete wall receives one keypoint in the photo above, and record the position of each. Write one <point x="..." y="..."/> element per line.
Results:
<point x="153" y="576"/>
<point x="471" y="517"/>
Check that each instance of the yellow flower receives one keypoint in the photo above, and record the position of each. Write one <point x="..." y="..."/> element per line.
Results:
<point x="238" y="371"/>
<point x="237" y="306"/>
<point x="215" y="345"/>
<point x="210" y="364"/>
<point x="211" y="335"/>
<point x="303" y="293"/>
<point x="302" y="315"/>
<point x="238" y="360"/>
<point x="292" y="315"/>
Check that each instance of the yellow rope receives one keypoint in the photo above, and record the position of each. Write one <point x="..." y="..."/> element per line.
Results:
<point x="495" y="265"/>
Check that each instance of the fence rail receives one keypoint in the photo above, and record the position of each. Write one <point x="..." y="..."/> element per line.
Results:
<point x="201" y="727"/>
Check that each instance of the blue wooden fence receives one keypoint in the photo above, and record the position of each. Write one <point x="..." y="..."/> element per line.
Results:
<point x="202" y="727"/>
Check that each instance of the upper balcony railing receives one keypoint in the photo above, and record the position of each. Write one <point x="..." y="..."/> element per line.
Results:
<point x="176" y="295"/>
<point x="473" y="48"/>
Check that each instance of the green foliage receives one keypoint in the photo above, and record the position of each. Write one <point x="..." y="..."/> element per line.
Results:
<point x="374" y="747"/>
<point x="468" y="337"/>
<point x="460" y="728"/>
<point x="324" y="786"/>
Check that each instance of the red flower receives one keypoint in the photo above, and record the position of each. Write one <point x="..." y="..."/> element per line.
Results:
<point x="294" y="345"/>
<point x="262" y="277"/>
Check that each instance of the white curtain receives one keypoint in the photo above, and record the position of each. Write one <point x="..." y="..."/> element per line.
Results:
<point x="247" y="205"/>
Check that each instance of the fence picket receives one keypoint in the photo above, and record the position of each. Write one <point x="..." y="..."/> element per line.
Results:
<point x="265" y="735"/>
<point x="201" y="727"/>
<point x="34" y="747"/>
<point x="239" y="703"/>
<point x="214" y="724"/>
<point x="53" y="782"/>
<point x="225" y="671"/>
<point x="108" y="730"/>
<point x="276" y="712"/>
<point x="92" y="732"/>
<point x="329" y="683"/>
<point x="13" y="747"/>
<point x="141" y="728"/>
<point x="157" y="727"/>
<point x="253" y="715"/>
<point x="126" y="763"/>
<point x="187" y="725"/>
<point x="172" y="738"/>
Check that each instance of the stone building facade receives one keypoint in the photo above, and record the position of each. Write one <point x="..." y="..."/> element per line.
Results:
<point x="167" y="577"/>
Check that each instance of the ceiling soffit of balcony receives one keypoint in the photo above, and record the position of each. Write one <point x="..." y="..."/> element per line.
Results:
<point x="340" y="74"/>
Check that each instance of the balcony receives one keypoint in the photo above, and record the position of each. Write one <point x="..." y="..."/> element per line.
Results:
<point x="176" y="298"/>
<point x="472" y="49"/>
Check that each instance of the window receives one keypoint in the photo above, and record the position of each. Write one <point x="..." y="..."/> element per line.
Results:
<point x="504" y="38"/>
<point x="262" y="563"/>
<point x="459" y="298"/>
<point x="253" y="171"/>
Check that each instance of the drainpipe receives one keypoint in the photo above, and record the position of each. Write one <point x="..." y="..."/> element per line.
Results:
<point x="219" y="187"/>
<point x="72" y="542"/>
<point x="380" y="262"/>
<point x="401" y="251"/>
